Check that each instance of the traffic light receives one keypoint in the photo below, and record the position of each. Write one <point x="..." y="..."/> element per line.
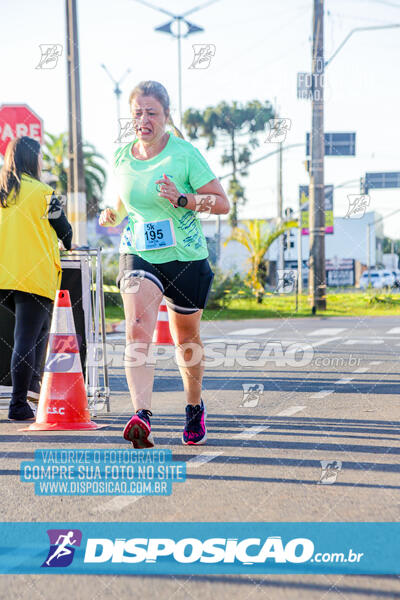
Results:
<point x="285" y="241"/>
<point x="307" y="164"/>
<point x="288" y="213"/>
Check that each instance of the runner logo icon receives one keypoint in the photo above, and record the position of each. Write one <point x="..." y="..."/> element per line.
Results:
<point x="62" y="542"/>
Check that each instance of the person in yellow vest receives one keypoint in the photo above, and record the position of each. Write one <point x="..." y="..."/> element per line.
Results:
<point x="31" y="219"/>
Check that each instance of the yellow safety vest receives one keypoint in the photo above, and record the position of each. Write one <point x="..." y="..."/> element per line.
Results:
<point x="29" y="254"/>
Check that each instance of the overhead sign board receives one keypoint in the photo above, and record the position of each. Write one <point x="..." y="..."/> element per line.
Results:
<point x="389" y="179"/>
<point x="337" y="144"/>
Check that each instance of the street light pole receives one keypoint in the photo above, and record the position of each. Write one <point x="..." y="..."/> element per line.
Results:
<point x="76" y="207"/>
<point x="317" y="278"/>
<point x="369" y="251"/>
<point x="166" y="28"/>
<point x="179" y="19"/>
<point x="281" y="251"/>
<point x="117" y="89"/>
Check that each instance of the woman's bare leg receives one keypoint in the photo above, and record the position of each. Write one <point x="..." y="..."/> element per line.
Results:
<point x="185" y="331"/>
<point x="141" y="309"/>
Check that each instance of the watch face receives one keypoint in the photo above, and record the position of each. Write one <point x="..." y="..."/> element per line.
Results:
<point x="182" y="201"/>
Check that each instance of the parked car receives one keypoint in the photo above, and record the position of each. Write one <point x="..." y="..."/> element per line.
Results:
<point x="396" y="274"/>
<point x="388" y="278"/>
<point x="374" y="278"/>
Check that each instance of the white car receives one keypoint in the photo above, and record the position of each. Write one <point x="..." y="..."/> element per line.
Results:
<point x="388" y="278"/>
<point x="374" y="278"/>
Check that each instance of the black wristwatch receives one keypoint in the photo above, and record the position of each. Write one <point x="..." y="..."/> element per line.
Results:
<point x="182" y="201"/>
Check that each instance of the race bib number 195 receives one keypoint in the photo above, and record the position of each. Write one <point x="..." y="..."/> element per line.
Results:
<point x="154" y="235"/>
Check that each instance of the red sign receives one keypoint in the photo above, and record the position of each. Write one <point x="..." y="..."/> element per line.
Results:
<point x="17" y="120"/>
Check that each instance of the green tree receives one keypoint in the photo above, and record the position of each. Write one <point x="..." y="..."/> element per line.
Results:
<point x="257" y="236"/>
<point x="238" y="126"/>
<point x="55" y="154"/>
<point x="390" y="244"/>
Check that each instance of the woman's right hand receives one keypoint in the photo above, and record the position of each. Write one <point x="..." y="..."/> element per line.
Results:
<point x="107" y="217"/>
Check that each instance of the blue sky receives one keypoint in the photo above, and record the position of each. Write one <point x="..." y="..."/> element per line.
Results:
<point x="260" y="47"/>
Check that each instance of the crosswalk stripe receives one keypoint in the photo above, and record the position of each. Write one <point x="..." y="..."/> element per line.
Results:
<point x="250" y="432"/>
<point x="251" y="331"/>
<point x="117" y="503"/>
<point x="327" y="331"/>
<point x="200" y="459"/>
<point x="291" y="410"/>
<point x="362" y="341"/>
<point x="321" y="394"/>
<point x="325" y="341"/>
<point x="394" y="330"/>
<point x="227" y="340"/>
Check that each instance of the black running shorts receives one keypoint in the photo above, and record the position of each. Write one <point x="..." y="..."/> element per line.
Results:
<point x="185" y="285"/>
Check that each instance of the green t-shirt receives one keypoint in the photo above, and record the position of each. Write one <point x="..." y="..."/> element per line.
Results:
<point x="187" y="168"/>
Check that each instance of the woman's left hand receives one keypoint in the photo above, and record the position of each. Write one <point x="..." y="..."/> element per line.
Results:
<point x="168" y="190"/>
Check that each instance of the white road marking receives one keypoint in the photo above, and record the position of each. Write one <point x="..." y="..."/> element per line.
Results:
<point x="287" y="412"/>
<point x="322" y="342"/>
<point x="375" y="362"/>
<point x="251" y="331"/>
<point x="250" y="432"/>
<point x="368" y="341"/>
<point x="344" y="380"/>
<point x="200" y="459"/>
<point x="226" y="340"/>
<point x="5" y="396"/>
<point x="394" y="330"/>
<point x="361" y="370"/>
<point x="327" y="331"/>
<point x="117" y="503"/>
<point x="321" y="394"/>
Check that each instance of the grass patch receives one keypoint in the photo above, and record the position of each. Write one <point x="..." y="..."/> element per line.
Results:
<point x="338" y="305"/>
<point x="114" y="313"/>
<point x="348" y="304"/>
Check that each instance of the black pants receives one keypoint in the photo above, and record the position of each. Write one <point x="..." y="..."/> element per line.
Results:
<point x="31" y="333"/>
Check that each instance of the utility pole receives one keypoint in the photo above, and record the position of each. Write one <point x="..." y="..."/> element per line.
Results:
<point x="76" y="207"/>
<point x="317" y="276"/>
<point x="299" y="255"/>
<point x="369" y="251"/>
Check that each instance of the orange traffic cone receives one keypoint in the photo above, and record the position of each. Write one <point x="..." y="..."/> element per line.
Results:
<point x="63" y="402"/>
<point x="162" y="334"/>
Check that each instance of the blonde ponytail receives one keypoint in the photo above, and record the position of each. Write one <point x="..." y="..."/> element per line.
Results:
<point x="176" y="131"/>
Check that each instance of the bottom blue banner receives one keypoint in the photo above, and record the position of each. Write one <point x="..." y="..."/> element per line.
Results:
<point x="200" y="548"/>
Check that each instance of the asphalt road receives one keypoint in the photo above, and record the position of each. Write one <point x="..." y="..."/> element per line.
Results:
<point x="282" y="396"/>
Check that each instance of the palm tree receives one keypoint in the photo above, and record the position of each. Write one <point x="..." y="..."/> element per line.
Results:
<point x="55" y="154"/>
<point x="256" y="236"/>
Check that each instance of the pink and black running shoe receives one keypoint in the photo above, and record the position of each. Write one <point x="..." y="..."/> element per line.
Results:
<point x="195" y="431"/>
<point x="138" y="430"/>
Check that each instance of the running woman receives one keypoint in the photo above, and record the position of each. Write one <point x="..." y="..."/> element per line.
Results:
<point x="164" y="182"/>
